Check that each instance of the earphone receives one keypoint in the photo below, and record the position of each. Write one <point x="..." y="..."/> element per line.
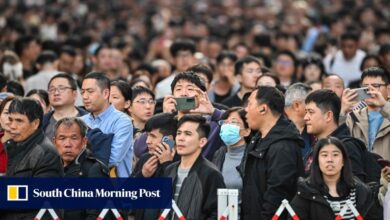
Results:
<point x="262" y="110"/>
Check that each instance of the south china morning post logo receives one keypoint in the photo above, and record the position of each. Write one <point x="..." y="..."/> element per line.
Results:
<point x="17" y="193"/>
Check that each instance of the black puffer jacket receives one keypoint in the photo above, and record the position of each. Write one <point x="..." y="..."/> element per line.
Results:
<point x="198" y="194"/>
<point x="85" y="166"/>
<point x="35" y="157"/>
<point x="309" y="203"/>
<point x="270" y="170"/>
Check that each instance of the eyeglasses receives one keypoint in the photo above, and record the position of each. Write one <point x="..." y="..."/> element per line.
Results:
<point x="375" y="85"/>
<point x="59" y="89"/>
<point x="222" y="122"/>
<point x="144" y="101"/>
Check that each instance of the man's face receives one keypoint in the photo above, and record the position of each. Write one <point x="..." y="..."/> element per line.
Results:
<point x="184" y="88"/>
<point x="33" y="50"/>
<point x="253" y="112"/>
<point x="284" y="66"/>
<point x="378" y="84"/>
<point x="349" y="48"/>
<point x="60" y="93"/>
<point x="69" y="142"/>
<point x="184" y="59"/>
<point x="315" y="120"/>
<point x="20" y="127"/>
<point x="226" y="67"/>
<point x="154" y="137"/>
<point x="188" y="141"/>
<point x="93" y="97"/>
<point x="250" y="73"/>
<point x="335" y="84"/>
<point x="66" y="63"/>
<point x="103" y="60"/>
<point x="142" y="107"/>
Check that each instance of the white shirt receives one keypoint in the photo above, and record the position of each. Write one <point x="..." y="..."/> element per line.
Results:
<point x="163" y="88"/>
<point x="349" y="70"/>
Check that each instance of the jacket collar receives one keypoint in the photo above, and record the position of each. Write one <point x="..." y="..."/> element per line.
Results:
<point x="14" y="148"/>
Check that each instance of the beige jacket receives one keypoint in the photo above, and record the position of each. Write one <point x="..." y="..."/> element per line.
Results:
<point x="359" y="129"/>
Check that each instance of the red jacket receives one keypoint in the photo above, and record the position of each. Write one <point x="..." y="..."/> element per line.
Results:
<point x="3" y="157"/>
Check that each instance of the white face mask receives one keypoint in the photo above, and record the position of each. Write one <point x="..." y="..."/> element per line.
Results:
<point x="13" y="72"/>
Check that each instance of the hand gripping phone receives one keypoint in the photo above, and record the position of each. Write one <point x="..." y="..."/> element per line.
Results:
<point x="185" y="103"/>
<point x="168" y="141"/>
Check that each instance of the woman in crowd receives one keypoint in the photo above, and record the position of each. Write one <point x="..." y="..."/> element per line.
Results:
<point x="330" y="185"/>
<point x="120" y="95"/>
<point x="235" y="134"/>
<point x="42" y="97"/>
<point x="4" y="133"/>
<point x="312" y="70"/>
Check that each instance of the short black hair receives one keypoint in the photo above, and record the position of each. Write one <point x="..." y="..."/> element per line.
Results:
<point x="350" y="35"/>
<point x="326" y="100"/>
<point x="101" y="47"/>
<point x="28" y="107"/>
<point x="369" y="57"/>
<point x="72" y="82"/>
<point x="182" y="45"/>
<point x="226" y="54"/>
<point x="148" y="68"/>
<point x="43" y="95"/>
<point x="376" y="72"/>
<point x="239" y="65"/>
<point x="138" y="90"/>
<point x="272" y="97"/>
<point x="384" y="49"/>
<point x="22" y="42"/>
<point x="203" y="126"/>
<point x="69" y="121"/>
<point x="15" y="88"/>
<point x="66" y="49"/>
<point x="189" y="76"/>
<point x="202" y="69"/>
<point x="46" y="56"/>
<point x="124" y="88"/>
<point x="102" y="80"/>
<point x="165" y="122"/>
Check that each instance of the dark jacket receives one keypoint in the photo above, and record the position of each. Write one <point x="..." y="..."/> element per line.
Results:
<point x="35" y="157"/>
<point x="140" y="214"/>
<point x="198" y="194"/>
<point x="219" y="157"/>
<point x="353" y="149"/>
<point x="47" y="116"/>
<point x="309" y="203"/>
<point x="84" y="166"/>
<point x="270" y="170"/>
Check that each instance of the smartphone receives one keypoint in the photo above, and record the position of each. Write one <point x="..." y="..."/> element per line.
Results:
<point x="167" y="140"/>
<point x="185" y="103"/>
<point x="361" y="94"/>
<point x="384" y="163"/>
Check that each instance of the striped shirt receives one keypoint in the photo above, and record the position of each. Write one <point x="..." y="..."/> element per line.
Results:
<point x="337" y="203"/>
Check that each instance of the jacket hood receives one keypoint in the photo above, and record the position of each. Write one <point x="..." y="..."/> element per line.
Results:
<point x="284" y="129"/>
<point x="341" y="132"/>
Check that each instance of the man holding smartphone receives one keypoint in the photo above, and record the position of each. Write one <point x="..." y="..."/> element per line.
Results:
<point x="372" y="123"/>
<point x="161" y="132"/>
<point x="189" y="86"/>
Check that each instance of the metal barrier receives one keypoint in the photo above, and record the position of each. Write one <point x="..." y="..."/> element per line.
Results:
<point x="43" y="211"/>
<point x="227" y="204"/>
<point x="349" y="205"/>
<point x="175" y="208"/>
<point x="104" y="212"/>
<point x="285" y="205"/>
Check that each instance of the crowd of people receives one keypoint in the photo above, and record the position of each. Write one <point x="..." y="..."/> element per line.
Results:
<point x="279" y="99"/>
